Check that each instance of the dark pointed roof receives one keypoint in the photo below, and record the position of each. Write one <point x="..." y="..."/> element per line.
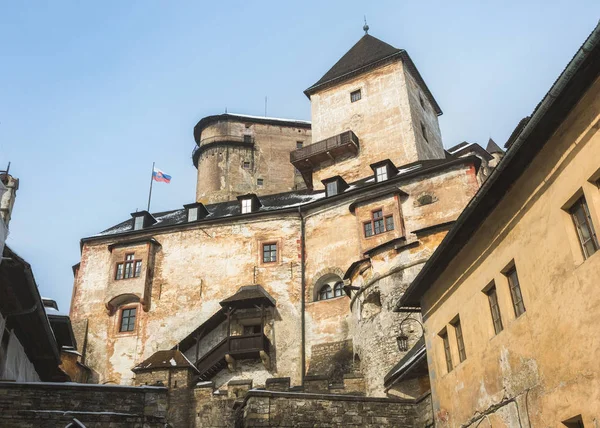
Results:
<point x="369" y="52"/>
<point x="492" y="147"/>
<point x="366" y="51"/>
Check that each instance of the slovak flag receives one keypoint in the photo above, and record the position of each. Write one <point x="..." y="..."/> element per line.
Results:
<point x="158" y="175"/>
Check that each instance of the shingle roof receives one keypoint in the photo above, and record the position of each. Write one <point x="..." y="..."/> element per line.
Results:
<point x="366" y="51"/>
<point x="163" y="360"/>
<point x="280" y="201"/>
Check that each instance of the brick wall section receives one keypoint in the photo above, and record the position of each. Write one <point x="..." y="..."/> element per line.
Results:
<point x="285" y="409"/>
<point x="29" y="405"/>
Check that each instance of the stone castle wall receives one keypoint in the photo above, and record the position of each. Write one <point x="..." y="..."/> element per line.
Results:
<point x="40" y="405"/>
<point x="227" y="167"/>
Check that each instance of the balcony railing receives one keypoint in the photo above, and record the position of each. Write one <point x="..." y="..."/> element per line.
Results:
<point x="346" y="142"/>
<point x="239" y="347"/>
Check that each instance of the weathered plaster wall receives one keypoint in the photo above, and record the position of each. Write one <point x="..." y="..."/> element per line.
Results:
<point x="16" y="363"/>
<point x="221" y="174"/>
<point x="382" y="120"/>
<point x="183" y="297"/>
<point x="542" y="368"/>
<point x="373" y="325"/>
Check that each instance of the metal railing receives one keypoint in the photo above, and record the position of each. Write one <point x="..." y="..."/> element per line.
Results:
<point x="323" y="146"/>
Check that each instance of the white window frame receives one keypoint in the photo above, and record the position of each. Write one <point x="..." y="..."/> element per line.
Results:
<point x="381" y="173"/>
<point x="246" y="206"/>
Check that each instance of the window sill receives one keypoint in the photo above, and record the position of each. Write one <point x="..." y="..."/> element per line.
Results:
<point x="328" y="300"/>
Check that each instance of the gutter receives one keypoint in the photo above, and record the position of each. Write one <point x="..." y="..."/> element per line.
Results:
<point x="540" y="111"/>
<point x="303" y="292"/>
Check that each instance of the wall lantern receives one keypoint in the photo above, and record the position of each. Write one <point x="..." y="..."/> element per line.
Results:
<point x="402" y="342"/>
<point x="402" y="338"/>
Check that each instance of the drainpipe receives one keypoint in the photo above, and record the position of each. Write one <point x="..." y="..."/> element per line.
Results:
<point x="303" y="299"/>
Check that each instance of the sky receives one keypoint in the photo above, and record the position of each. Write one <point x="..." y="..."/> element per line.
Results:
<point x="91" y="93"/>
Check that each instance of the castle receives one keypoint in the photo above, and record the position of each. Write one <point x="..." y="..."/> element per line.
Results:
<point x="301" y="238"/>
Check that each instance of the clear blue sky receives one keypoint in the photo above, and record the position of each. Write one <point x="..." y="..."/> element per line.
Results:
<point x="92" y="92"/>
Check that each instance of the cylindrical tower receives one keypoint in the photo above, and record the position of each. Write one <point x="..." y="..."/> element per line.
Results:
<point x="238" y="154"/>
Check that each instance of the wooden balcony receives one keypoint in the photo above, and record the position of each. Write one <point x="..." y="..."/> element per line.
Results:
<point x="230" y="349"/>
<point x="332" y="148"/>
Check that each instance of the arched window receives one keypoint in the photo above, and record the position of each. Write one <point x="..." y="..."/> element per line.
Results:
<point x="325" y="292"/>
<point x="338" y="289"/>
<point x="328" y="286"/>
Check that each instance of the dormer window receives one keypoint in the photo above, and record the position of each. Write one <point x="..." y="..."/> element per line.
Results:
<point x="195" y="211"/>
<point x="142" y="219"/>
<point x="381" y="173"/>
<point x="139" y="223"/>
<point x="246" y="206"/>
<point x="332" y="188"/>
<point x="334" y="185"/>
<point x="384" y="170"/>
<point x="249" y="203"/>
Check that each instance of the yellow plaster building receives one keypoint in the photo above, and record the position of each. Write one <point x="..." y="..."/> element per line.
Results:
<point x="510" y="299"/>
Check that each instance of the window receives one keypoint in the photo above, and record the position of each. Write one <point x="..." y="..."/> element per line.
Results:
<point x="377" y="224"/>
<point x="139" y="223"/>
<point x="269" y="253"/>
<point x="447" y="354"/>
<point x="332" y="188"/>
<point x="515" y="291"/>
<point x="247" y="138"/>
<point x="299" y="144"/>
<point x="424" y="131"/>
<point x="246" y="206"/>
<point x="338" y="289"/>
<point x="462" y="355"/>
<point x="127" y="319"/>
<point x="259" y="181"/>
<point x="355" y="96"/>
<point x="495" y="309"/>
<point x="381" y="173"/>
<point x="246" y="165"/>
<point x="192" y="214"/>
<point x="389" y="222"/>
<point x="585" y="229"/>
<point x="129" y="268"/>
<point x="325" y="292"/>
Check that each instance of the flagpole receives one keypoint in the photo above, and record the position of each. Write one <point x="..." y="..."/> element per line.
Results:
<point x="151" y="180"/>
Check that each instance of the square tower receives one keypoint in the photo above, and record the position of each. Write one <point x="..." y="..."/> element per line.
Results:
<point x="371" y="105"/>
